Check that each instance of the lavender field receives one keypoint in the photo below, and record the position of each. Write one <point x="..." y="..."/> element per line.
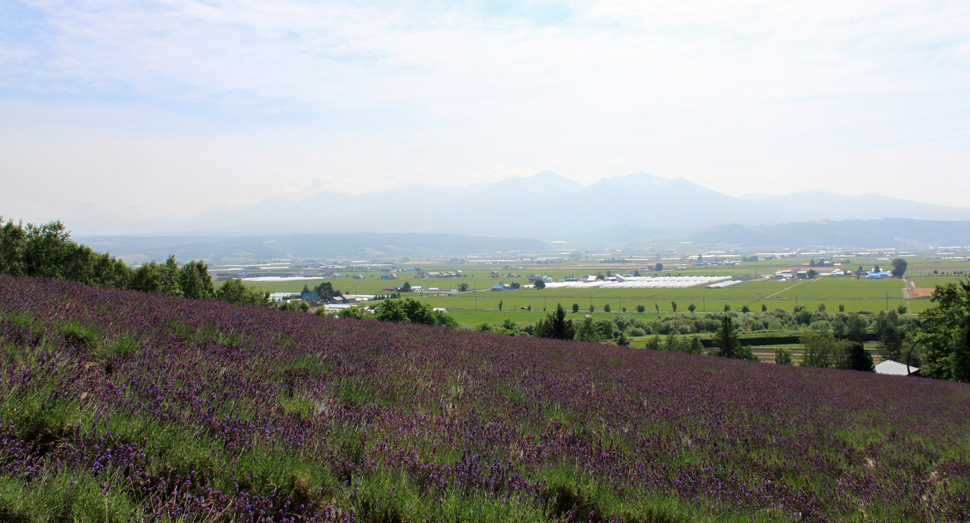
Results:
<point x="117" y="405"/>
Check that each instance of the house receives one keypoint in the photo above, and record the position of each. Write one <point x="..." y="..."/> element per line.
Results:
<point x="501" y="287"/>
<point x="879" y="275"/>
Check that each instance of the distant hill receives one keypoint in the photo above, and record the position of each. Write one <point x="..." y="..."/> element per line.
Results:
<point x="545" y="206"/>
<point x="890" y="232"/>
<point x="366" y="246"/>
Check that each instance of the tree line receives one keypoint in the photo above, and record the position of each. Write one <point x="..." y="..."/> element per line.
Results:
<point x="47" y="251"/>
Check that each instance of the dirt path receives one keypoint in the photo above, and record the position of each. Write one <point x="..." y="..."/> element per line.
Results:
<point x="785" y="289"/>
<point x="909" y="292"/>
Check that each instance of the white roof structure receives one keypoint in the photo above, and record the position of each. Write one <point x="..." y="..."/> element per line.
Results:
<point x="642" y="282"/>
<point x="894" y="368"/>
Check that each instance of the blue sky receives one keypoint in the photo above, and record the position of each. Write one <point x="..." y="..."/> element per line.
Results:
<point x="112" y="109"/>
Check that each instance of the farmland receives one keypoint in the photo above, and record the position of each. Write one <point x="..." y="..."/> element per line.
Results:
<point x="120" y="405"/>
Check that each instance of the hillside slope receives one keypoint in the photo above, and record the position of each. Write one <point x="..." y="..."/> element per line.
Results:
<point x="118" y="405"/>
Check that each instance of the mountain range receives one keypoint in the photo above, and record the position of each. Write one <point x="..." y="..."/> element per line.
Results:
<point x="547" y="206"/>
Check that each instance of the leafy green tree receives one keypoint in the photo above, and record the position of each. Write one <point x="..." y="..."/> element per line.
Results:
<point x="694" y="346"/>
<point x="812" y="273"/>
<point x="463" y="287"/>
<point x="555" y="325"/>
<point x="194" y="281"/>
<point x="856" y="326"/>
<point x="727" y="342"/>
<point x="325" y="292"/>
<point x="657" y="306"/>
<point x="500" y="305"/>
<point x="821" y="348"/>
<point x="236" y="292"/>
<point x="13" y="243"/>
<point x="147" y="278"/>
<point x="727" y="308"/>
<point x="587" y="331"/>
<point x="406" y="287"/>
<point x="899" y="267"/>
<point x="692" y="308"/>
<point x="575" y="308"/>
<point x="783" y="356"/>
<point x="659" y="267"/>
<point x="892" y="334"/>
<point x="539" y="285"/>
<point x="672" y="343"/>
<point x="606" y="328"/>
<point x="764" y="308"/>
<point x="855" y="357"/>
<point x="745" y="309"/>
<point x="641" y="308"/>
<point x="591" y="309"/>
<point x="673" y="306"/>
<point x="944" y="333"/>
<point x="622" y="341"/>
<point x="606" y="308"/>
<point x="410" y="310"/>
<point x="357" y="312"/>
<point x="170" y="277"/>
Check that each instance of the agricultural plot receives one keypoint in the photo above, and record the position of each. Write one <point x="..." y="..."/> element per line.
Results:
<point x="852" y="294"/>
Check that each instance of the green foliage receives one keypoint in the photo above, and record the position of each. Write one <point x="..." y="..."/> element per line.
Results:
<point x="641" y="308"/>
<point x="944" y="333"/>
<point x="325" y="292"/>
<point x="899" y="267"/>
<point x="575" y="308"/>
<point x="194" y="280"/>
<point x="692" y="308"/>
<point x="587" y="331"/>
<point x="358" y="312"/>
<point x="555" y="325"/>
<point x="410" y="310"/>
<point x="821" y="348"/>
<point x="539" y="284"/>
<point x="855" y="357"/>
<point x="727" y="342"/>
<point x="892" y="334"/>
<point x="238" y="293"/>
<point x="783" y="356"/>
<point x="673" y="306"/>
<point x="606" y="308"/>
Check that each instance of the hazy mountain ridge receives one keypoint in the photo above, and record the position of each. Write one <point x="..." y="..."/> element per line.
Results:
<point x="888" y="232"/>
<point x="364" y="246"/>
<point x="548" y="206"/>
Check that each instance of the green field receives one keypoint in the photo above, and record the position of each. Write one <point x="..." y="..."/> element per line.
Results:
<point x="481" y="304"/>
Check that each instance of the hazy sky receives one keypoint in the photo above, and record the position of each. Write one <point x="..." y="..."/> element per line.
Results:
<point x="152" y="109"/>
